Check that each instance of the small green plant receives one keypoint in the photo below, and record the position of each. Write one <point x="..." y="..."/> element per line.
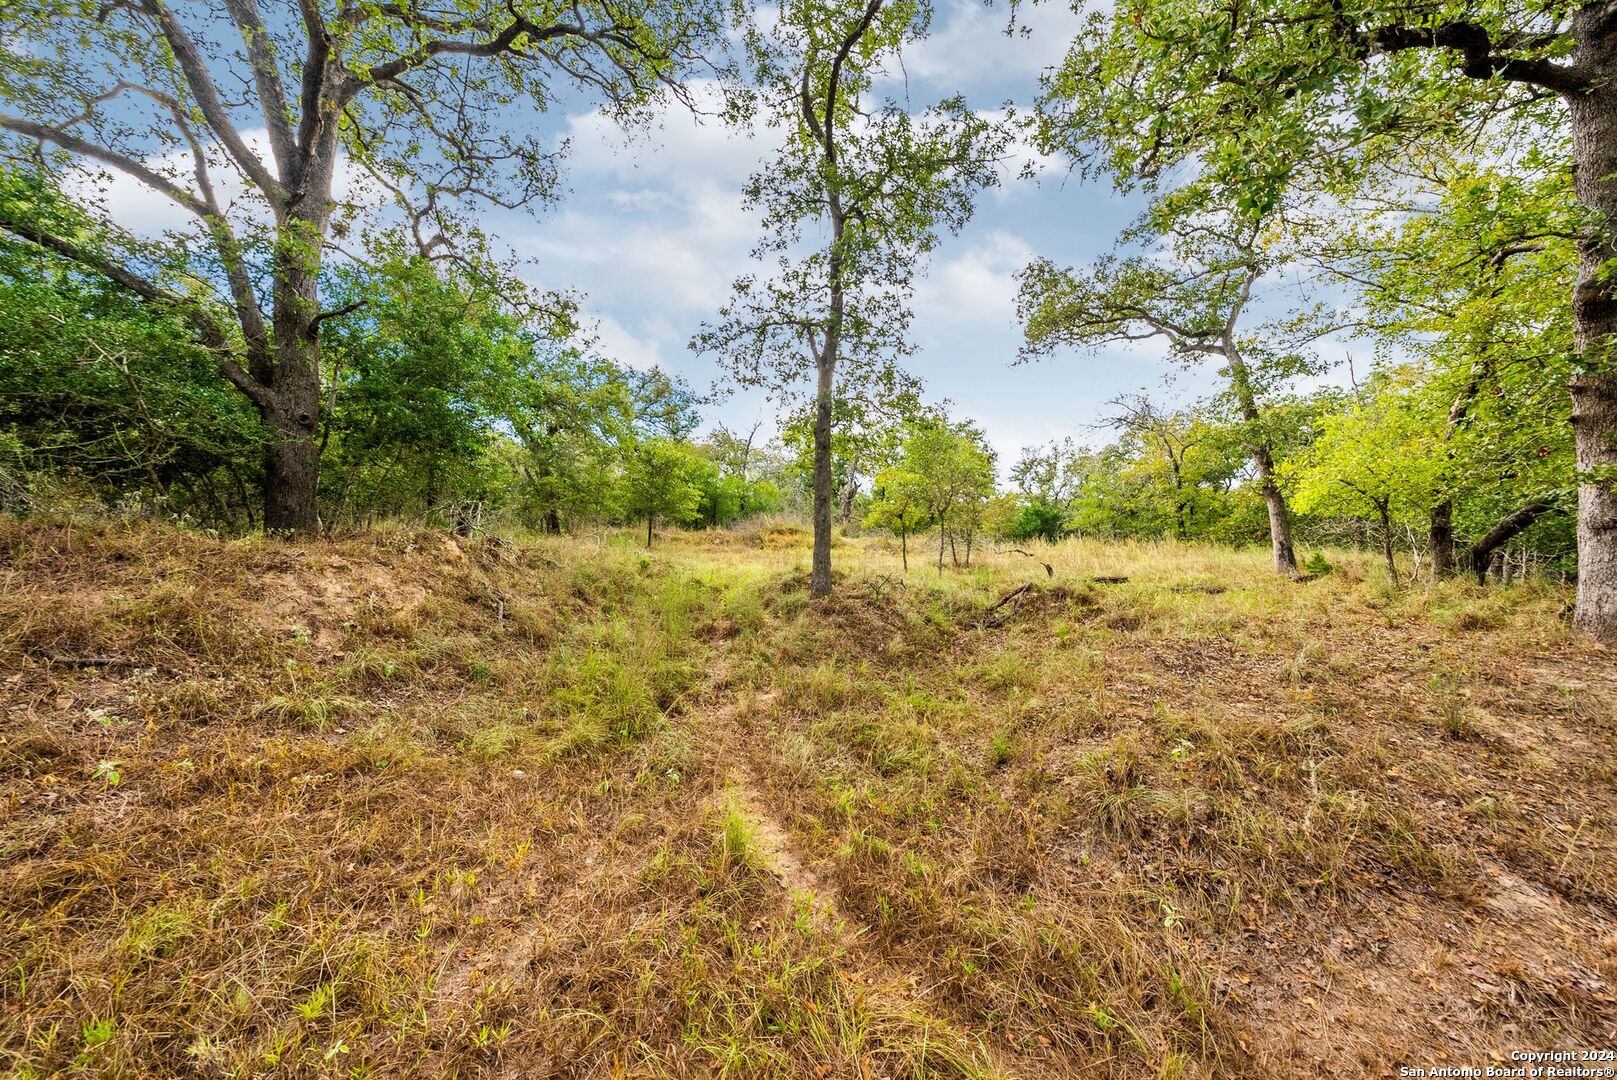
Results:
<point x="109" y="773"/>
<point x="738" y="841"/>
<point x="318" y="1003"/>
<point x="96" y="1032"/>
<point x="1000" y="750"/>
<point x="1317" y="564"/>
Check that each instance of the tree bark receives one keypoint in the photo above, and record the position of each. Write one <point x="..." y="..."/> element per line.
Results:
<point x="820" y="576"/>
<point x="904" y="546"/>
<point x="1440" y="534"/>
<point x="1386" y="541"/>
<point x="1594" y="323"/>
<point x="1480" y="555"/>
<point x="849" y="491"/>
<point x="291" y="480"/>
<point x="1285" y="556"/>
<point x="650" y="518"/>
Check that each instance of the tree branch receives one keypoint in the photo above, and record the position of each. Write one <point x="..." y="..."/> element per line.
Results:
<point x="195" y="69"/>
<point x="208" y="330"/>
<point x="1478" y="60"/>
<point x="267" y="79"/>
<point x="144" y="173"/>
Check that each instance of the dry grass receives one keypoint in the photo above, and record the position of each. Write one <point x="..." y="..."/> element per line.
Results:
<point x="398" y="806"/>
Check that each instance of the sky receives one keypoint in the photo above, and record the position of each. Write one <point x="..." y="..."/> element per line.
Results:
<point x="651" y="231"/>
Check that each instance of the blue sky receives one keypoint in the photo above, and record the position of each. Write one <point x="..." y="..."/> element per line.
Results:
<point x="652" y="232"/>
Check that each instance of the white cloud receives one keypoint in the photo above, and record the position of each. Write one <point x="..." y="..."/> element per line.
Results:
<point x="614" y="341"/>
<point x="976" y="285"/>
<point x="972" y="51"/>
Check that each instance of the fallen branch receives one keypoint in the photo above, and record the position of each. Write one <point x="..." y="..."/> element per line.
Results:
<point x="1014" y="598"/>
<point x="1008" y="597"/>
<point x="1049" y="570"/>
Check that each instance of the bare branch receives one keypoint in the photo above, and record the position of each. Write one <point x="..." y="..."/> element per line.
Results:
<point x="267" y="79"/>
<point x="195" y="70"/>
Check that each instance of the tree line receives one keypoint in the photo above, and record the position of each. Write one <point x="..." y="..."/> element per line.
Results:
<point x="1437" y="182"/>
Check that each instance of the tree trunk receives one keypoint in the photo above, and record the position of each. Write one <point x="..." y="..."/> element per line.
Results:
<point x="1285" y="555"/>
<point x="1263" y="461"/>
<point x="820" y="577"/>
<point x="904" y="547"/>
<point x="1480" y="555"/>
<point x="849" y="491"/>
<point x="650" y="518"/>
<point x="943" y="536"/>
<point x="1594" y="324"/>
<point x="292" y="464"/>
<point x="1386" y="542"/>
<point x="1440" y="534"/>
<point x="291" y="479"/>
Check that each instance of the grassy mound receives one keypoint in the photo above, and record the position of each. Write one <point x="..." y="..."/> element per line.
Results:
<point x="401" y="805"/>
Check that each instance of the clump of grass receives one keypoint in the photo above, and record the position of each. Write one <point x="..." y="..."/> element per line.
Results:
<point x="311" y="710"/>
<point x="738" y="842"/>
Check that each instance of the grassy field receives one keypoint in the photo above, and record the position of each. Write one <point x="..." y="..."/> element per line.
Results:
<point x="402" y="806"/>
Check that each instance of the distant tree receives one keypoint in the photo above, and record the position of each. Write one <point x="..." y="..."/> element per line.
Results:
<point x="951" y="467"/>
<point x="1235" y="101"/>
<point x="880" y="179"/>
<point x="898" y="505"/>
<point x="1378" y="457"/>
<point x="662" y="479"/>
<point x="420" y="375"/>
<point x="1049" y="479"/>
<point x="573" y="416"/>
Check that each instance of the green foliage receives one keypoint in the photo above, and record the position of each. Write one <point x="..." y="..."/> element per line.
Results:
<point x="946" y="473"/>
<point x="422" y="380"/>
<point x="104" y="393"/>
<point x="662" y="479"/>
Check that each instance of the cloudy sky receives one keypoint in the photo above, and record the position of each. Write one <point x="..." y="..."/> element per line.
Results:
<point x="652" y="232"/>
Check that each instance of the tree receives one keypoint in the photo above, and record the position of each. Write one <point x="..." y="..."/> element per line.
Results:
<point x="950" y="469"/>
<point x="897" y="504"/>
<point x="1378" y="456"/>
<point x="881" y="181"/>
<point x="662" y="478"/>
<point x="868" y="422"/>
<point x="1049" y="478"/>
<point x="108" y="395"/>
<point x="573" y="416"/>
<point x="1175" y="438"/>
<point x="420" y="377"/>
<point x="419" y="100"/>
<point x="1196" y="305"/>
<point x="1250" y="95"/>
<point x="1489" y="332"/>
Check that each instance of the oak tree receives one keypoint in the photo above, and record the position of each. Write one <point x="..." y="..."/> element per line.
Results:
<point x="416" y="101"/>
